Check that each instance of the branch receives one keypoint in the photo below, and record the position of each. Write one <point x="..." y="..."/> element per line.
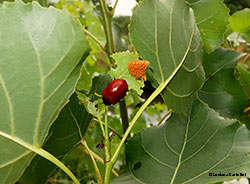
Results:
<point x="98" y="158"/>
<point x="107" y="24"/>
<point x="164" y="117"/>
<point x="114" y="7"/>
<point x="98" y="174"/>
<point x="94" y="38"/>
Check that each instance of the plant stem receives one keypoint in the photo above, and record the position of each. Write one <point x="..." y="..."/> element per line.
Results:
<point x="99" y="176"/>
<point x="94" y="38"/>
<point x="114" y="7"/>
<point x="98" y="158"/>
<point x="166" y="115"/>
<point x="246" y="58"/>
<point x="43" y="153"/>
<point x="124" y="116"/>
<point x="112" y="129"/>
<point x="101" y="125"/>
<point x="107" y="155"/>
<point x="107" y="23"/>
<point x="138" y="114"/>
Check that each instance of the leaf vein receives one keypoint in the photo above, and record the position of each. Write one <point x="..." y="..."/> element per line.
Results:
<point x="10" y="105"/>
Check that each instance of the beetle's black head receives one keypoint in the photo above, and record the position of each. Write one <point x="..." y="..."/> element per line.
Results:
<point x="105" y="101"/>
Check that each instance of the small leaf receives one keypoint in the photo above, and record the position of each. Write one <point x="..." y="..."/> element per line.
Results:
<point x="239" y="21"/>
<point x="189" y="147"/>
<point x="244" y="79"/>
<point x="122" y="60"/>
<point x="41" y="57"/>
<point x="92" y="107"/>
<point x="212" y="19"/>
<point x="222" y="90"/>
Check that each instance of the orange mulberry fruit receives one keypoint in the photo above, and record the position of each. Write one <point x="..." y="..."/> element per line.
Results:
<point x="138" y="68"/>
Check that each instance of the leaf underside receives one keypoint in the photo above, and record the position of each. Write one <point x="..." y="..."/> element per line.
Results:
<point x="212" y="19"/>
<point x="41" y="51"/>
<point x="187" y="148"/>
<point x="222" y="91"/>
<point x="65" y="133"/>
<point x="165" y="34"/>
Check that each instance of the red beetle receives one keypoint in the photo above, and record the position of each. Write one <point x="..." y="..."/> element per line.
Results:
<point x="114" y="91"/>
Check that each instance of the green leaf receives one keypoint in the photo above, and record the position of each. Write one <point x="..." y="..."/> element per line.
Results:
<point x="239" y="21"/>
<point x="99" y="83"/>
<point x="90" y="106"/>
<point x="41" y="2"/>
<point x="165" y="34"/>
<point x="41" y="51"/>
<point x="222" y="90"/>
<point x="122" y="60"/>
<point x="212" y="19"/>
<point x="244" y="79"/>
<point x="126" y="178"/>
<point x="187" y="148"/>
<point x="65" y="133"/>
<point x="93" y="101"/>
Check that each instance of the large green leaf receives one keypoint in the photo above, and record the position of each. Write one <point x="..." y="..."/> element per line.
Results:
<point x="165" y="34"/>
<point x="212" y="19"/>
<point x="65" y="133"/>
<point x="222" y="91"/>
<point x="244" y="79"/>
<point x="187" y="148"/>
<point x="41" y="51"/>
<point x="240" y="21"/>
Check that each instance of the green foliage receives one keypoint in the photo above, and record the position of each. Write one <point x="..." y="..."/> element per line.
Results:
<point x="222" y="90"/>
<point x="172" y="47"/>
<point x="239" y="21"/>
<point x="244" y="79"/>
<point x="41" y="65"/>
<point x="178" y="151"/>
<point x="92" y="101"/>
<point x="41" y="58"/>
<point x="121" y="72"/>
<point x="41" y="2"/>
<point x="212" y="19"/>
<point x="65" y="133"/>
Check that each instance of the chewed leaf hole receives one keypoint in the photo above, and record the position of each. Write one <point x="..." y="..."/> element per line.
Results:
<point x="137" y="165"/>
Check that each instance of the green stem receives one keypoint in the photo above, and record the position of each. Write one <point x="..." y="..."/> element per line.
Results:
<point x="107" y="23"/>
<point x="107" y="155"/>
<point x="98" y="158"/>
<point x="43" y="153"/>
<point x="114" y="7"/>
<point x="94" y="38"/>
<point x="101" y="125"/>
<point x="246" y="58"/>
<point x="159" y="89"/>
<point x="166" y="115"/>
<point x="112" y="129"/>
<point x="138" y="114"/>
<point x="124" y="115"/>
<point x="99" y="176"/>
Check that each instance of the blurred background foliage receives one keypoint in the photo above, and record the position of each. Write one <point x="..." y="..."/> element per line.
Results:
<point x="88" y="13"/>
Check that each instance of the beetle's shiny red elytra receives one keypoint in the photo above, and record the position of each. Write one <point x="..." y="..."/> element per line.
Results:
<point x="115" y="91"/>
